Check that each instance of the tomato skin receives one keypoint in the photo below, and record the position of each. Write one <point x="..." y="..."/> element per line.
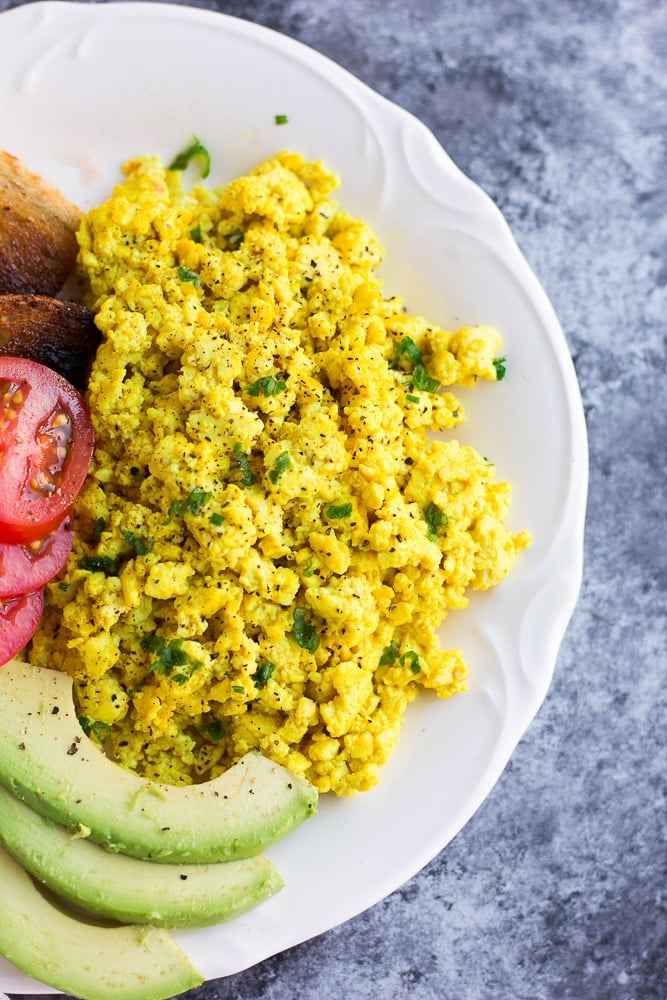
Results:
<point x="46" y="446"/>
<point x="22" y="570"/>
<point x="19" y="619"/>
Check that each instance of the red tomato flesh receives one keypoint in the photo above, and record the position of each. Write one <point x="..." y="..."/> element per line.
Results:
<point x="24" y="568"/>
<point x="46" y="445"/>
<point x="19" y="619"/>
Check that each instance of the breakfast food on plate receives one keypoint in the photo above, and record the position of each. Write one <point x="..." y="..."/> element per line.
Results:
<point x="122" y="847"/>
<point x="46" y="761"/>
<point x="244" y="587"/>
<point x="38" y="226"/>
<point x="270" y="535"/>
<point x="61" y="335"/>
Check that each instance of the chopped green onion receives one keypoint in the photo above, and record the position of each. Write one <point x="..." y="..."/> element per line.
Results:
<point x="436" y="519"/>
<point x="195" y="149"/>
<point x="100" y="526"/>
<point x="187" y="274"/>
<point x="214" y="730"/>
<point x="304" y="632"/>
<point x="169" y="656"/>
<point x="389" y="655"/>
<point x="412" y="398"/>
<point x="192" y="504"/>
<point x="94" y="727"/>
<point x="310" y="568"/>
<point x="99" y="564"/>
<point x="336" y="511"/>
<point x="501" y="369"/>
<point x="422" y="380"/>
<point x="140" y="544"/>
<point x="217" y="519"/>
<point x="281" y="119"/>
<point x="408" y="349"/>
<point x="243" y="463"/>
<point x="238" y="688"/>
<point x="282" y="463"/>
<point x="263" y="673"/>
<point x="413" y="659"/>
<point x="195" y="233"/>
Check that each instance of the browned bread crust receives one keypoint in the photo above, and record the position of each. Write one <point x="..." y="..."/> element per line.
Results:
<point x="60" y="335"/>
<point x="38" y="224"/>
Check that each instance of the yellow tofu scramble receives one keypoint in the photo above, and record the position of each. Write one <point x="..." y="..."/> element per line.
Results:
<point x="270" y="536"/>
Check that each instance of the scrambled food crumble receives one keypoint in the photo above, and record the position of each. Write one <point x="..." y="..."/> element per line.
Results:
<point x="270" y="536"/>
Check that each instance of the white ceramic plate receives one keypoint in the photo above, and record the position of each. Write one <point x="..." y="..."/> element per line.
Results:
<point x="86" y="86"/>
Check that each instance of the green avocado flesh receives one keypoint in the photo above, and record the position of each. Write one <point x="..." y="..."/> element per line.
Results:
<point x="89" y="961"/>
<point x="127" y="889"/>
<point x="47" y="761"/>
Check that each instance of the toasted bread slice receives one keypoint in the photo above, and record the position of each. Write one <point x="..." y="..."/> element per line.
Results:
<point x="38" y="226"/>
<point x="60" y="335"/>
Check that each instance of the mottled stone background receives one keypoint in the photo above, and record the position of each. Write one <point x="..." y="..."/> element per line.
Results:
<point x="556" y="888"/>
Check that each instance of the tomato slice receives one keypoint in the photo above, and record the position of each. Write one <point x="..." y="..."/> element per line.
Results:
<point x="19" y="619"/>
<point x="46" y="444"/>
<point x="28" y="567"/>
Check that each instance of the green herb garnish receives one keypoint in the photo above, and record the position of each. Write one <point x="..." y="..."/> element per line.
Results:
<point x="94" y="727"/>
<point x="194" y="150"/>
<point x="282" y="463"/>
<point x="422" y="380"/>
<point x="304" y="631"/>
<point x="263" y="673"/>
<point x="191" y="505"/>
<point x="99" y="564"/>
<point x="214" y="730"/>
<point x="141" y="545"/>
<point x="409" y="350"/>
<point x="436" y="519"/>
<point x="170" y="655"/>
<point x="268" y="385"/>
<point x="336" y="511"/>
<point x="389" y="655"/>
<point x="281" y="119"/>
<point x="310" y="567"/>
<point x="100" y="525"/>
<point x="195" y="233"/>
<point x="501" y="369"/>
<point x="217" y="519"/>
<point x="187" y="274"/>
<point x="413" y="659"/>
<point x="243" y="463"/>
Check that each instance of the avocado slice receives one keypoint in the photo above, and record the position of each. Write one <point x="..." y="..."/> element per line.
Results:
<point x="127" y="889"/>
<point x="48" y="761"/>
<point x="92" y="962"/>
